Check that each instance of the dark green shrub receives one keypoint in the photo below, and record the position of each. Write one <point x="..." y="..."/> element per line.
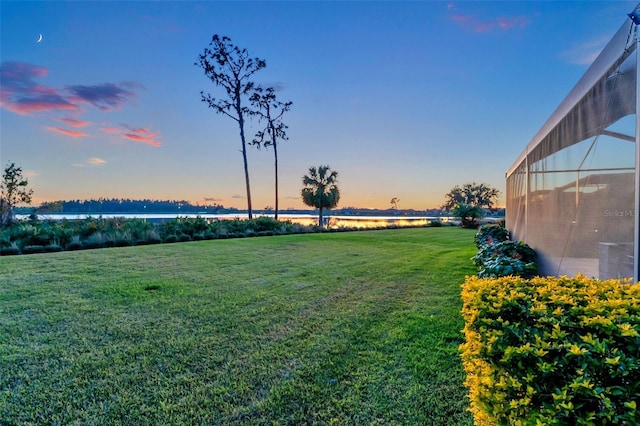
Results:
<point x="170" y="239"/>
<point x="434" y="224"/>
<point x="92" y="244"/>
<point x="235" y="226"/>
<point x="121" y="242"/>
<point x="4" y="241"/>
<point x="490" y="234"/>
<point x="506" y="258"/>
<point x="52" y="248"/>
<point x="74" y="245"/>
<point x="265" y="223"/>
<point x="9" y="251"/>
<point x="33" y="249"/>
<point x="184" y="238"/>
<point x="468" y="214"/>
<point x="192" y="226"/>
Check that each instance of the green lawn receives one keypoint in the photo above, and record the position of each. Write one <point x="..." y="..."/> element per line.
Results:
<point x="345" y="328"/>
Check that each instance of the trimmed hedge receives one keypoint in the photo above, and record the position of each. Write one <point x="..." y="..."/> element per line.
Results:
<point x="552" y="351"/>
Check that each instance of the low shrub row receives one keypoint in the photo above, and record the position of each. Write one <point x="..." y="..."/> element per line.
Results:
<point x="35" y="236"/>
<point x="552" y="351"/>
<point x="499" y="257"/>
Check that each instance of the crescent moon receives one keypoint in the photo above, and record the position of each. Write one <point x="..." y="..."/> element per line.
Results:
<point x="39" y="38"/>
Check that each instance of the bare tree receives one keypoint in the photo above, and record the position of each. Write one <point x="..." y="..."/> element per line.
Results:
<point x="394" y="202"/>
<point x="270" y="110"/>
<point x="230" y="67"/>
<point x="13" y="190"/>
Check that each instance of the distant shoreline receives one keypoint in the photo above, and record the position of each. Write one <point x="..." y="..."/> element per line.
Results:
<point x="306" y="219"/>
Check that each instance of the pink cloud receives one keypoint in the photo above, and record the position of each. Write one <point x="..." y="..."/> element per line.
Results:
<point x="136" y="134"/>
<point x="66" y="132"/>
<point x="29" y="106"/>
<point x="111" y="130"/>
<point x="477" y="25"/>
<point x="75" y="123"/>
<point x="20" y="93"/>
<point x="143" y="136"/>
<point x="17" y="71"/>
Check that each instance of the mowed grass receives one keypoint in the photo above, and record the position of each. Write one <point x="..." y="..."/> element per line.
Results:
<point x="356" y="328"/>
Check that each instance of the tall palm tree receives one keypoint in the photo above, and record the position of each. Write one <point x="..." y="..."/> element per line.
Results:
<point x="321" y="190"/>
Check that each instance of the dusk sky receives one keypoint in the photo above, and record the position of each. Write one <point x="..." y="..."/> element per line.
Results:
<point x="403" y="99"/>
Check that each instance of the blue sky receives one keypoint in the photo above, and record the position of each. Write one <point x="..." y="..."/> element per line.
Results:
<point x="403" y="99"/>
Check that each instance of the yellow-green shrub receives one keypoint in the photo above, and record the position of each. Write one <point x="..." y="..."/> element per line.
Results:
<point x="552" y="351"/>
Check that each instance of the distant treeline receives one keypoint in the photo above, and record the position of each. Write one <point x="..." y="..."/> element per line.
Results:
<point x="118" y="205"/>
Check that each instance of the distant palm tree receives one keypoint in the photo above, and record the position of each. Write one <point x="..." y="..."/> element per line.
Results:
<point x="394" y="202"/>
<point x="321" y="190"/>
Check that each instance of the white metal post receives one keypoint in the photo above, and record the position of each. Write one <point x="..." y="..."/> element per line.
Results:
<point x="636" y="233"/>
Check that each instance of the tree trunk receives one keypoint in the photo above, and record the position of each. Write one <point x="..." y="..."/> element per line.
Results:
<point x="5" y="213"/>
<point x="275" y="153"/>
<point x="246" y="164"/>
<point x="320" y="220"/>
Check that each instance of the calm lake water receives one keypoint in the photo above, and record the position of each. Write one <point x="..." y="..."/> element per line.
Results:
<point x="304" y="219"/>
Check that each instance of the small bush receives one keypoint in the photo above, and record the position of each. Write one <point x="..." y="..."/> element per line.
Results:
<point x="265" y="223"/>
<point x="434" y="224"/>
<point x="33" y="249"/>
<point x="92" y="244"/>
<point x="499" y="257"/>
<point x="154" y="239"/>
<point x="74" y="245"/>
<point x="506" y="258"/>
<point x="552" y="351"/>
<point x="9" y="251"/>
<point x="52" y="248"/>
<point x="490" y="234"/>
